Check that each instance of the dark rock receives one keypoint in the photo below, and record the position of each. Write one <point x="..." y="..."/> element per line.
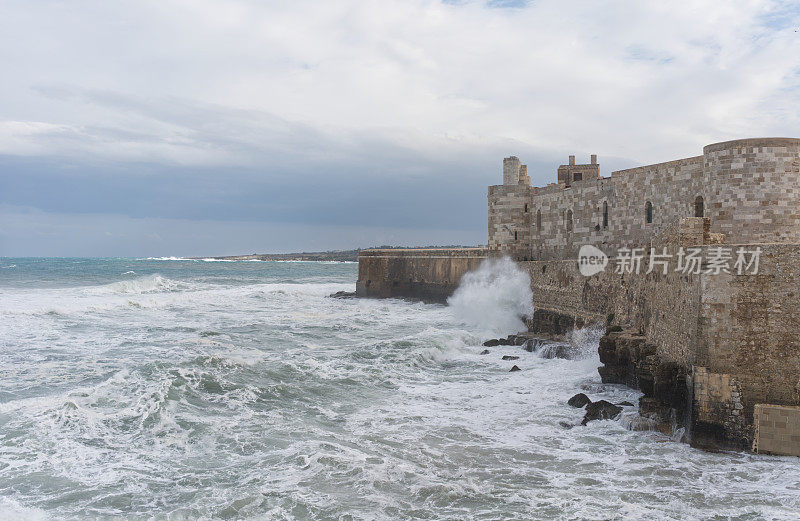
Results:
<point x="550" y="351"/>
<point x="625" y="404"/>
<point x="509" y="357"/>
<point x="520" y="340"/>
<point x="601" y="410"/>
<point x="515" y="368"/>
<point x="343" y="294"/>
<point x="552" y="324"/>
<point x="485" y="352"/>
<point x="579" y="400"/>
<point x="492" y="343"/>
<point x="566" y="425"/>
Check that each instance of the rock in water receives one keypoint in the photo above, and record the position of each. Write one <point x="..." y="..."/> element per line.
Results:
<point x="625" y="404"/>
<point x="485" y="352"/>
<point x="492" y="343"/>
<point x="509" y="357"/>
<point x="515" y="368"/>
<point x="343" y="294"/>
<point x="601" y="410"/>
<point x="579" y="400"/>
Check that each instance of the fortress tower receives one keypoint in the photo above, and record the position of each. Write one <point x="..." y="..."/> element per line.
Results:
<point x="570" y="173"/>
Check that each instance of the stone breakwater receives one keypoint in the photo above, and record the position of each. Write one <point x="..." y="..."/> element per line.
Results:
<point x="425" y="274"/>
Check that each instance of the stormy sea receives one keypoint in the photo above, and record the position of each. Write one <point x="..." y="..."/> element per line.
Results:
<point x="172" y="389"/>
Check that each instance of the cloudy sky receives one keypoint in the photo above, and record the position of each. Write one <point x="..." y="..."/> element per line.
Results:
<point x="200" y="127"/>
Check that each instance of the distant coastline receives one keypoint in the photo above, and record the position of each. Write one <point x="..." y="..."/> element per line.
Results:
<point x="329" y="256"/>
<point x="340" y="256"/>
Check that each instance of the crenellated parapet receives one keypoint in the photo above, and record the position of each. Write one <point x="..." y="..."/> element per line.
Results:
<point x="749" y="188"/>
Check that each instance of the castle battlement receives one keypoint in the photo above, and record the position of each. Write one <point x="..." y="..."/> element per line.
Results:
<point x="748" y="188"/>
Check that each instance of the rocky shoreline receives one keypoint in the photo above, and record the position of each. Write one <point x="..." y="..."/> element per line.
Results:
<point x="627" y="359"/>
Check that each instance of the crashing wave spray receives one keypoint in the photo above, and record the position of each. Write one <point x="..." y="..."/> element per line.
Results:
<point x="495" y="297"/>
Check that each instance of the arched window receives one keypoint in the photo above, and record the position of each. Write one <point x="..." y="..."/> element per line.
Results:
<point x="605" y="214"/>
<point x="539" y="221"/>
<point x="569" y="220"/>
<point x="648" y="212"/>
<point x="699" y="206"/>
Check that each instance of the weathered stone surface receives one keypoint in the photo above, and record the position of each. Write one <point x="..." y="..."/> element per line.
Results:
<point x="532" y="344"/>
<point x="343" y="294"/>
<point x="552" y="324"/>
<point x="601" y="410"/>
<point x="430" y="275"/>
<point x="580" y="400"/>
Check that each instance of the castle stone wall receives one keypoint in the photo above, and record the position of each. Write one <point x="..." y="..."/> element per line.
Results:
<point x="750" y="190"/>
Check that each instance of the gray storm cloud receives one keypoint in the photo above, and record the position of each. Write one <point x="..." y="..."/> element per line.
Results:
<point x="340" y="113"/>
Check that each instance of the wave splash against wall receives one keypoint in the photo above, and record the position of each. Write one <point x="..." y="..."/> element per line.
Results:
<point x="495" y="297"/>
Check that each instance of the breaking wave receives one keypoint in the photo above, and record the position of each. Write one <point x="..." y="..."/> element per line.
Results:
<point x="148" y="284"/>
<point x="496" y="297"/>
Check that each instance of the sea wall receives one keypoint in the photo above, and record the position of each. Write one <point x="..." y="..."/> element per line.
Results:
<point x="705" y="348"/>
<point x="426" y="274"/>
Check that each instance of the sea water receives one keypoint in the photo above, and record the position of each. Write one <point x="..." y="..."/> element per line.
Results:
<point x="179" y="390"/>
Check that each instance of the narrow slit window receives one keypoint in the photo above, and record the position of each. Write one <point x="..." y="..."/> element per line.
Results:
<point x="605" y="214"/>
<point x="699" y="207"/>
<point x="648" y="212"/>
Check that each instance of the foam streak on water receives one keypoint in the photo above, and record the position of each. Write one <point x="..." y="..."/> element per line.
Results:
<point x="193" y="390"/>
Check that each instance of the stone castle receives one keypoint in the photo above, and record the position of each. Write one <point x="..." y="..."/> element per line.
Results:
<point x="715" y="348"/>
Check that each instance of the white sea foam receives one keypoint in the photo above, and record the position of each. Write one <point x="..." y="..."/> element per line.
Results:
<point x="254" y="399"/>
<point x="496" y="297"/>
<point x="11" y="510"/>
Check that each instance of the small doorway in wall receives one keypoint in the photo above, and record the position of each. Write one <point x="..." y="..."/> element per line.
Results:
<point x="699" y="206"/>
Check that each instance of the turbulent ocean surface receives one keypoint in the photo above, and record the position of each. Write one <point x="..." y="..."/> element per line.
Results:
<point x="176" y="389"/>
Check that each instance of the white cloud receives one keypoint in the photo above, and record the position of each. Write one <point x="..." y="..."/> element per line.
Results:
<point x="239" y="82"/>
